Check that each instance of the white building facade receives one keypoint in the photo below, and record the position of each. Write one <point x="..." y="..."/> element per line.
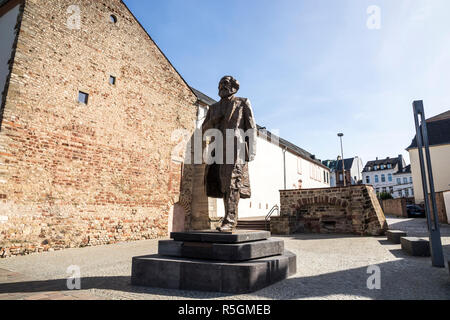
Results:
<point x="404" y="187"/>
<point x="381" y="174"/>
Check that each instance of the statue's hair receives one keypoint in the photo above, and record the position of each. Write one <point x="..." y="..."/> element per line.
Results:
<point x="234" y="82"/>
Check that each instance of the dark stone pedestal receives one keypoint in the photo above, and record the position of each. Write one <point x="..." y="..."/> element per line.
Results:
<point x="239" y="262"/>
<point x="394" y="236"/>
<point x="416" y="247"/>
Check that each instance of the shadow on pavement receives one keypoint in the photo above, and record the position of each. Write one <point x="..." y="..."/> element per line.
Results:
<point x="409" y="278"/>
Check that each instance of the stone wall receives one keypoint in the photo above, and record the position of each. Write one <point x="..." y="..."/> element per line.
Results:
<point x="73" y="174"/>
<point x="441" y="208"/>
<point x="395" y="207"/>
<point x="346" y="210"/>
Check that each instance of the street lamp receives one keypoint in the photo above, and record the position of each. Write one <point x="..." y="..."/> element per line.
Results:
<point x="340" y="135"/>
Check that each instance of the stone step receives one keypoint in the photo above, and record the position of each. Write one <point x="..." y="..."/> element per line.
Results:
<point x="219" y="251"/>
<point x="415" y="246"/>
<point x="238" y="236"/>
<point x="253" y="225"/>
<point x="201" y="275"/>
<point x="394" y="236"/>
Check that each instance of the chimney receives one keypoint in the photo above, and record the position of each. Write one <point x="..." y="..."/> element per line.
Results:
<point x="400" y="165"/>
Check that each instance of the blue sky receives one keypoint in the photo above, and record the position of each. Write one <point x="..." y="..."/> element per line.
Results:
<point x="312" y="68"/>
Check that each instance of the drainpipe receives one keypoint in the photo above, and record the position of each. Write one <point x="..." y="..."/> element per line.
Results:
<point x="284" y="168"/>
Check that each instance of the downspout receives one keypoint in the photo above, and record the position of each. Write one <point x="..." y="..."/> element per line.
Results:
<point x="284" y="167"/>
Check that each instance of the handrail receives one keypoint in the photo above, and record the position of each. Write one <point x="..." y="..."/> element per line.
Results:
<point x="275" y="208"/>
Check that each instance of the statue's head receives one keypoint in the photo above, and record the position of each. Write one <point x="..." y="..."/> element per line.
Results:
<point x="228" y="86"/>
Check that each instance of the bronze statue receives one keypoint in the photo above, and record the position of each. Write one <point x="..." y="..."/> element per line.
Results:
<point x="228" y="176"/>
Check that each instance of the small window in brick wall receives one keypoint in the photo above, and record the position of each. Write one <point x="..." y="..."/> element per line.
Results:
<point x="112" y="80"/>
<point x="83" y="97"/>
<point x="113" y="19"/>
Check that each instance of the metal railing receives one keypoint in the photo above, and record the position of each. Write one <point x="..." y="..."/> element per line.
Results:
<point x="275" y="208"/>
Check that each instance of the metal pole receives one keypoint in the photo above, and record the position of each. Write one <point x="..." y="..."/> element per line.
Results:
<point x="437" y="254"/>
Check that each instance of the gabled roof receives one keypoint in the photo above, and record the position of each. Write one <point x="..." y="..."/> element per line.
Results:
<point x="262" y="131"/>
<point x="442" y="116"/>
<point x="337" y="164"/>
<point x="438" y="131"/>
<point x="203" y="97"/>
<point x="391" y="161"/>
<point x="347" y="162"/>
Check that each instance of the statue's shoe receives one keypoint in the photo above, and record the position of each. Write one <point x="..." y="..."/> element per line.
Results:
<point x="226" y="228"/>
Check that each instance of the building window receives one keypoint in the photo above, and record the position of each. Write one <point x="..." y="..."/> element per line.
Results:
<point x="389" y="166"/>
<point x="384" y="189"/>
<point x="410" y="180"/>
<point x="383" y="178"/>
<point x="399" y="181"/>
<point x="113" y="19"/>
<point x="400" y="194"/>
<point x="376" y="179"/>
<point x="390" y="177"/>
<point x="83" y="97"/>
<point x="412" y="192"/>
<point x="391" y="190"/>
<point x="341" y="177"/>
<point x="112" y="80"/>
<point x="382" y="167"/>
<point x="407" y="192"/>
<point x="367" y="179"/>
<point x="405" y="180"/>
<point x="375" y="168"/>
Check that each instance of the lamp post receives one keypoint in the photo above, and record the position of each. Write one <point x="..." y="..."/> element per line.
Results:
<point x="340" y="135"/>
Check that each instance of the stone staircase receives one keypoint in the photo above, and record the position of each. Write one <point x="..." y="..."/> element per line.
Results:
<point x="253" y="225"/>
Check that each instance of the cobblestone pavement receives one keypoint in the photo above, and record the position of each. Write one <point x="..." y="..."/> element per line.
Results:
<point x="329" y="267"/>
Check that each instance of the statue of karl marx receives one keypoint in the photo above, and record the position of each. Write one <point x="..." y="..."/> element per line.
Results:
<point x="227" y="176"/>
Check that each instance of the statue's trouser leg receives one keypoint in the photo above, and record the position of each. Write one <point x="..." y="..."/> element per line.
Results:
<point x="231" y="201"/>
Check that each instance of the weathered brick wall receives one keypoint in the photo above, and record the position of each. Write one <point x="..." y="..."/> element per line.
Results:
<point x="353" y="209"/>
<point x="74" y="174"/>
<point x="395" y="207"/>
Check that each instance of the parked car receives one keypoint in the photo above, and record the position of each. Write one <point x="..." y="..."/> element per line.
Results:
<point x="415" y="211"/>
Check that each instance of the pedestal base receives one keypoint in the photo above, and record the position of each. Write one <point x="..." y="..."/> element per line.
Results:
<point x="201" y="275"/>
<point x="234" y="262"/>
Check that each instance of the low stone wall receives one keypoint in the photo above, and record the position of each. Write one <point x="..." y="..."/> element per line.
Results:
<point x="346" y="210"/>
<point x="395" y="207"/>
<point x="442" y="210"/>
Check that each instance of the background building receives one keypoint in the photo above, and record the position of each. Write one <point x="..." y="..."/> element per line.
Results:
<point x="380" y="173"/>
<point x="439" y="139"/>
<point x="278" y="165"/>
<point x="404" y="187"/>
<point x="353" y="171"/>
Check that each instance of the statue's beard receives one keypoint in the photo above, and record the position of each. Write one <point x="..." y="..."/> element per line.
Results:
<point x="225" y="93"/>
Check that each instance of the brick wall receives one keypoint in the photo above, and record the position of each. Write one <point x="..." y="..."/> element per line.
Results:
<point x="73" y="174"/>
<point x="353" y="209"/>
<point x="395" y="207"/>
<point x="440" y="205"/>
